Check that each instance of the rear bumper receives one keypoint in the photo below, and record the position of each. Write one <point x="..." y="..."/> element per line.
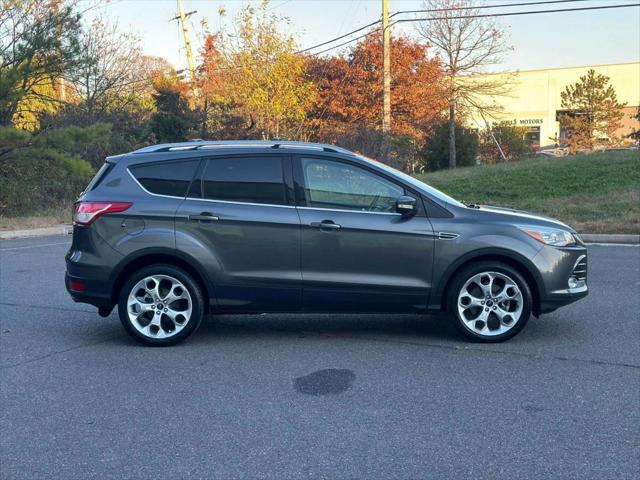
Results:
<point x="89" y="267"/>
<point x="92" y="293"/>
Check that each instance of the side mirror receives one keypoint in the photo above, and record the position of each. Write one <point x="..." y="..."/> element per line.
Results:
<point x="406" y="205"/>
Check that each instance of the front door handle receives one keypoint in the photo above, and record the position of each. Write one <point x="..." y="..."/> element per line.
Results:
<point x="204" y="217"/>
<point x="325" y="225"/>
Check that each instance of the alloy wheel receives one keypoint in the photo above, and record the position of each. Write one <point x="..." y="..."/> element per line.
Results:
<point x="490" y="303"/>
<point x="159" y="306"/>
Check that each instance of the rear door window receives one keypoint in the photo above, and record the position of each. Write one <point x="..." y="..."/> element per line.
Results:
<point x="166" y="178"/>
<point x="256" y="179"/>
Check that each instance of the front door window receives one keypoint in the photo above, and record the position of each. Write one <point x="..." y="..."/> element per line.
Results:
<point x="337" y="185"/>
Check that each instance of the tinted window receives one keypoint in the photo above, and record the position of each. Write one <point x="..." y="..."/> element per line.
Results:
<point x="101" y="175"/>
<point x="245" y="179"/>
<point x="330" y="184"/>
<point x="169" y="178"/>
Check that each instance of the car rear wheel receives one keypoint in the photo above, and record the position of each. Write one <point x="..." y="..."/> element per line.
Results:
<point x="489" y="302"/>
<point x="160" y="305"/>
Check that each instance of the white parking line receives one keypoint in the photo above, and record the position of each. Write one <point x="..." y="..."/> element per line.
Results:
<point x="33" y="246"/>
<point x="614" y="244"/>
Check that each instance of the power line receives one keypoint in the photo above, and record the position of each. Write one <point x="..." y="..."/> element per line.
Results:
<point x="482" y="7"/>
<point x="324" y="74"/>
<point x="460" y="17"/>
<point x="341" y="37"/>
<point x="343" y="44"/>
<point x="359" y="29"/>
<point x="530" y="12"/>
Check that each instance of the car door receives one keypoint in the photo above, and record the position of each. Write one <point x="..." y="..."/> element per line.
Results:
<point x="242" y="215"/>
<point x="357" y="253"/>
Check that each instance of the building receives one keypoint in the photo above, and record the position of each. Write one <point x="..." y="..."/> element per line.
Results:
<point x="534" y="99"/>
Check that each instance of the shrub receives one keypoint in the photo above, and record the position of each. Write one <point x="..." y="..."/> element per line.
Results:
<point x="44" y="170"/>
<point x="512" y="141"/>
<point x="400" y="151"/>
<point x="436" y="150"/>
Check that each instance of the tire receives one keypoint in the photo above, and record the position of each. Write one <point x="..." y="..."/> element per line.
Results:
<point x="160" y="305"/>
<point x="489" y="320"/>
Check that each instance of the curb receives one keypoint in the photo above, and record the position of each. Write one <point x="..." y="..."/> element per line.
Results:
<point x="34" y="232"/>
<point x="628" y="239"/>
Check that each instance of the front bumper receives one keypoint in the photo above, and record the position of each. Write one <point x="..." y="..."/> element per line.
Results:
<point x="563" y="275"/>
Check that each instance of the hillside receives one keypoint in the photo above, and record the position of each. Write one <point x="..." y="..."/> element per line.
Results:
<point x="593" y="193"/>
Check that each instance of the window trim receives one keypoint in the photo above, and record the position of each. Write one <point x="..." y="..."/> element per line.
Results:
<point x="301" y="201"/>
<point x="230" y="202"/>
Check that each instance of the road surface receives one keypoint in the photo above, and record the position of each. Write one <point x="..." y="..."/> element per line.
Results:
<point x="287" y="396"/>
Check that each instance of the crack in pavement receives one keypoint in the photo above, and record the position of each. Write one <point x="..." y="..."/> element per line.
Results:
<point x="44" y="307"/>
<point x="454" y="348"/>
<point x="33" y="246"/>
<point x="57" y="352"/>
<point x="485" y="350"/>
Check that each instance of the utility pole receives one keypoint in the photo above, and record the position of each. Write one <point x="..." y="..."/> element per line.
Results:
<point x="386" y="67"/>
<point x="58" y="83"/>
<point x="182" y="17"/>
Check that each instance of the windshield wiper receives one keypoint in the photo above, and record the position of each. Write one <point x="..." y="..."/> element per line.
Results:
<point x="470" y="205"/>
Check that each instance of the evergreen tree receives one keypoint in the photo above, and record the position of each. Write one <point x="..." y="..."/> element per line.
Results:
<point x="170" y="122"/>
<point x="592" y="112"/>
<point x="436" y="152"/>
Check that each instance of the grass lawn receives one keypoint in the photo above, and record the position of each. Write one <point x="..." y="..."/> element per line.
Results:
<point x="49" y="218"/>
<point x="595" y="193"/>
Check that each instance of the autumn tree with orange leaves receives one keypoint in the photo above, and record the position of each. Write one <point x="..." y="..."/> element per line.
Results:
<point x="348" y="105"/>
<point x="218" y="116"/>
<point x="350" y="89"/>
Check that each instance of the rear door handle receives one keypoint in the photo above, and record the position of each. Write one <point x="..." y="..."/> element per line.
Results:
<point x="204" y="217"/>
<point x="325" y="225"/>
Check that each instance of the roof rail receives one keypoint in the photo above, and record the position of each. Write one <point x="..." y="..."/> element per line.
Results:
<point x="203" y="144"/>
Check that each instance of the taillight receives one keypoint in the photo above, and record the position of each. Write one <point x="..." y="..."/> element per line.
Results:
<point x="77" y="286"/>
<point x="85" y="213"/>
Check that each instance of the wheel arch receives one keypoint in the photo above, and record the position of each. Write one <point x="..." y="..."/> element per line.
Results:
<point x="154" y="256"/>
<point x="521" y="264"/>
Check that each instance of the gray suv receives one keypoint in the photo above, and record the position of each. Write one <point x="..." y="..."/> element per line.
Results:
<point x="173" y="232"/>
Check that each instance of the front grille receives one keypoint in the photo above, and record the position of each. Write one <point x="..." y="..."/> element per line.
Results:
<point x="580" y="270"/>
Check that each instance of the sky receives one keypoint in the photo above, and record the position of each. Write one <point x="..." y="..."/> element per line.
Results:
<point x="539" y="41"/>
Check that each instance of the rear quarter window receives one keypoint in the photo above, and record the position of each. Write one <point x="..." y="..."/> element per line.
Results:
<point x="166" y="178"/>
<point x="99" y="176"/>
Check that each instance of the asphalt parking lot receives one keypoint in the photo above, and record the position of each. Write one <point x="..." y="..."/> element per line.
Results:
<point x="286" y="396"/>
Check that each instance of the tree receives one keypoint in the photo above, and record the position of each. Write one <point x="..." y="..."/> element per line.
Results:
<point x="465" y="47"/>
<point x="350" y="89"/>
<point x="171" y="120"/>
<point x="264" y="74"/>
<point x="592" y="112"/>
<point x="45" y="170"/>
<point x="38" y="45"/>
<point x="635" y="133"/>
<point x="110" y="84"/>
<point x="437" y="145"/>
<point x="217" y="115"/>
<point x="108" y="77"/>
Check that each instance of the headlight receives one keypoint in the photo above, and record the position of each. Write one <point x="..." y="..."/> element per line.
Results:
<point x="550" y="236"/>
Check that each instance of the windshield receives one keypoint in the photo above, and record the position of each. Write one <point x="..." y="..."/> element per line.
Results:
<point x="415" y="182"/>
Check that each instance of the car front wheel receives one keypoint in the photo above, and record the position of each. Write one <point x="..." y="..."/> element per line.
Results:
<point x="489" y="302"/>
<point x="160" y="305"/>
